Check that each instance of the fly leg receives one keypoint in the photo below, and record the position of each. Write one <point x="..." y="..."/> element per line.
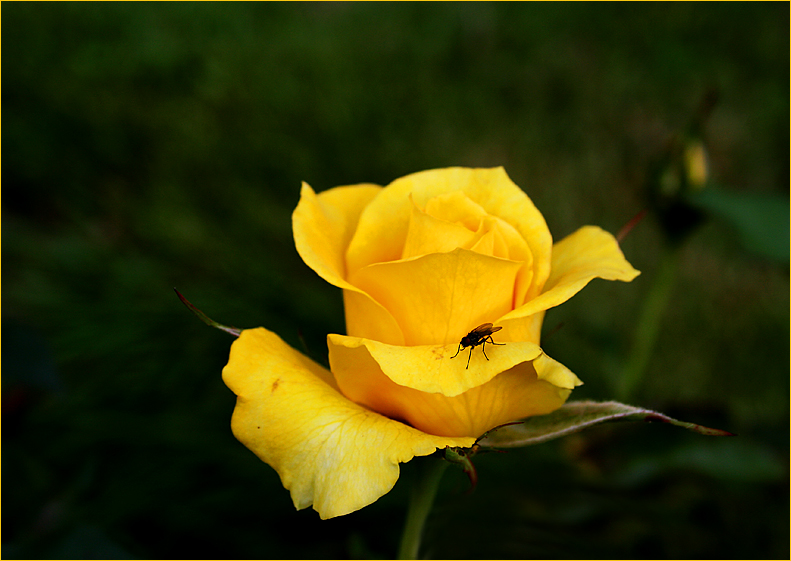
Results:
<point x="491" y="341"/>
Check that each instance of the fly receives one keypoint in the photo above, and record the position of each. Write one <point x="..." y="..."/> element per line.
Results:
<point x="478" y="336"/>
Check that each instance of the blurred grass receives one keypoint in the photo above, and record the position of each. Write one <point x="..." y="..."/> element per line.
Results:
<point x="157" y="145"/>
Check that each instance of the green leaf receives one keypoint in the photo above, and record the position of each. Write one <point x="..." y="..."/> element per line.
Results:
<point x="760" y="219"/>
<point x="575" y="416"/>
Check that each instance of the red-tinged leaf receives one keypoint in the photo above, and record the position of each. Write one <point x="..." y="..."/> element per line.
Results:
<point x="206" y="319"/>
<point x="575" y="416"/>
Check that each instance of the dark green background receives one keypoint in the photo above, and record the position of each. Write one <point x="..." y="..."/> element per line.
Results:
<point x="147" y="146"/>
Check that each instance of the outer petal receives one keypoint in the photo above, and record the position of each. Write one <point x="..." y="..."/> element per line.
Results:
<point x="429" y="368"/>
<point x="526" y="389"/>
<point x="365" y="317"/>
<point x="524" y="328"/>
<point x="323" y="225"/>
<point x="588" y="253"/>
<point x="328" y="451"/>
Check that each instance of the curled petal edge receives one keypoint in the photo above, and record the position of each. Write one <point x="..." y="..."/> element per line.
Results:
<point x="328" y="451"/>
<point x="577" y="259"/>
<point x="323" y="224"/>
<point x="430" y="368"/>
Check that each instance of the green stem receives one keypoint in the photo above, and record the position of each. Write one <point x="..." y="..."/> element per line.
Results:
<point x="649" y="323"/>
<point x="424" y="490"/>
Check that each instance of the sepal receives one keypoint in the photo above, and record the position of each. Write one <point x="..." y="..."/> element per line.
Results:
<point x="206" y="319"/>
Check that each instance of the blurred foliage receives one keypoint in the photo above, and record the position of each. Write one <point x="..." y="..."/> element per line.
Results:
<point x="148" y="146"/>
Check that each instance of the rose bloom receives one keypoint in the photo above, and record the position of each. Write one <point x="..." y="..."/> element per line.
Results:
<point x="421" y="263"/>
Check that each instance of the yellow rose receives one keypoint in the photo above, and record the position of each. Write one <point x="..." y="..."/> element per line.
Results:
<point x="421" y="263"/>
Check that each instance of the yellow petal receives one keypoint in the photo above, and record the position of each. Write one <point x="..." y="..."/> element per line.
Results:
<point x="518" y="250"/>
<point x="438" y="298"/>
<point x="429" y="234"/>
<point x="453" y="220"/>
<point x="524" y="328"/>
<point x="552" y="371"/>
<point x="367" y="318"/>
<point x="456" y="207"/>
<point x="588" y="253"/>
<point x="383" y="225"/>
<point x="323" y="225"/>
<point x="526" y="389"/>
<point x="430" y="368"/>
<point x="328" y="451"/>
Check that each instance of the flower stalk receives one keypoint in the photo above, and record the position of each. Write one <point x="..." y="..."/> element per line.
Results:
<point x="421" y="499"/>
<point x="648" y="326"/>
